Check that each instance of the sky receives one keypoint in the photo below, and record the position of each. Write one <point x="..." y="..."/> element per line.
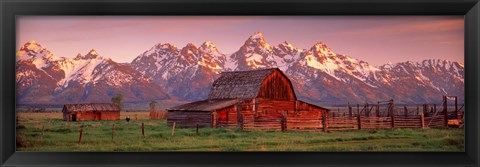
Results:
<point x="375" y="39"/>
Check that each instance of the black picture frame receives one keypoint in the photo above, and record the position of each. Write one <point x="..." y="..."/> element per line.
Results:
<point x="11" y="8"/>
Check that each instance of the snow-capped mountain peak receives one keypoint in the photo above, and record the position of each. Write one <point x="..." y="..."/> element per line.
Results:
<point x="88" y="78"/>
<point x="189" y="52"/>
<point x="164" y="46"/>
<point x="256" y="40"/>
<point x="208" y="44"/>
<point x="160" y="51"/>
<point x="256" y="36"/>
<point x="92" y="54"/>
<point x="322" y="48"/>
<point x="36" y="53"/>
<point x="287" y="46"/>
<point x="32" y="45"/>
<point x="208" y="47"/>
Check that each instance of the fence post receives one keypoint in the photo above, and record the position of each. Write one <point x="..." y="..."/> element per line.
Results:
<point x="113" y="131"/>
<point x="367" y="113"/>
<point x="324" y="121"/>
<point x="350" y="113"/>
<point x="359" y="120"/>
<point x="239" y="116"/>
<point x="424" y="108"/>
<point x="417" y="110"/>
<point x="358" y="109"/>
<point x="41" y="136"/>
<point x="365" y="109"/>
<point x="393" y="121"/>
<point x="285" y="114"/>
<point x="378" y="109"/>
<point x="143" y="130"/>
<point x="136" y="117"/>
<point x="197" y="129"/>
<point x="213" y="120"/>
<point x="173" y="129"/>
<point x="80" y="138"/>
<point x="422" y="120"/>
<point x="445" y="113"/>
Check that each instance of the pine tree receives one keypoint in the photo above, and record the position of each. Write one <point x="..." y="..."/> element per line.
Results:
<point x="118" y="100"/>
<point x="153" y="104"/>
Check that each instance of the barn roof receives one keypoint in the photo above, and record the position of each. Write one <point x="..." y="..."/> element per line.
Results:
<point x="239" y="84"/>
<point x="91" y="107"/>
<point x="314" y="105"/>
<point x="206" y="105"/>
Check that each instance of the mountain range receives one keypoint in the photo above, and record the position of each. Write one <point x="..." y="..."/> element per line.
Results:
<point x="167" y="72"/>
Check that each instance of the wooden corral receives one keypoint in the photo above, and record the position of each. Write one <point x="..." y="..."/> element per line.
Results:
<point x="251" y="100"/>
<point x="429" y="117"/>
<point x="157" y="114"/>
<point x="90" y="111"/>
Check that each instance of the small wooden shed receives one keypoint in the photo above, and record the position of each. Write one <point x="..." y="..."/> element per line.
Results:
<point x="91" y="111"/>
<point x="240" y="95"/>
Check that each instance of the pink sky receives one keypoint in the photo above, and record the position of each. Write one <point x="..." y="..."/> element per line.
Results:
<point x="375" y="39"/>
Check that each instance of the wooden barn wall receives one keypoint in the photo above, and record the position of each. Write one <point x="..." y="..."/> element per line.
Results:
<point x="91" y="115"/>
<point x="110" y="115"/>
<point x="81" y="116"/>
<point x="230" y="111"/>
<point x="65" y="116"/>
<point x="274" y="108"/>
<point x="302" y="106"/>
<point x="276" y="86"/>
<point x="189" y="118"/>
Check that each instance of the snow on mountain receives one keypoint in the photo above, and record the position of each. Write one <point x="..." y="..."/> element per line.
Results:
<point x="338" y="66"/>
<point x="318" y="74"/>
<point x="85" y="78"/>
<point x="286" y="54"/>
<point x="255" y="53"/>
<point x="432" y="76"/>
<point x="187" y="72"/>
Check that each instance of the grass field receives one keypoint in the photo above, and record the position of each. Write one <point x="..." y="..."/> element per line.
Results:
<point x="97" y="136"/>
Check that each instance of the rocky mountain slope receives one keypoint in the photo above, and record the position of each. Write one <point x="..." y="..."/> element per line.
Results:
<point x="45" y="78"/>
<point x="319" y="74"/>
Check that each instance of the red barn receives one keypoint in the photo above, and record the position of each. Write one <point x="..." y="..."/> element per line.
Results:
<point x="241" y="95"/>
<point x="91" y="111"/>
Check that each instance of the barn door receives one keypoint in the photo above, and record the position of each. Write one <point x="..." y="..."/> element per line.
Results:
<point x="98" y="115"/>
<point x="74" y="117"/>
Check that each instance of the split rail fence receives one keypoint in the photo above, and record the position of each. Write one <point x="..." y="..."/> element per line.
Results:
<point x="367" y="117"/>
<point x="341" y="123"/>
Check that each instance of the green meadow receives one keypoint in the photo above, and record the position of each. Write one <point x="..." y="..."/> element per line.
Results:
<point x="60" y="135"/>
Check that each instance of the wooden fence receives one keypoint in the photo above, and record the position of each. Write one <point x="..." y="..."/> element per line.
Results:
<point x="262" y="125"/>
<point x="156" y="114"/>
<point x="368" y="116"/>
<point x="342" y="123"/>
